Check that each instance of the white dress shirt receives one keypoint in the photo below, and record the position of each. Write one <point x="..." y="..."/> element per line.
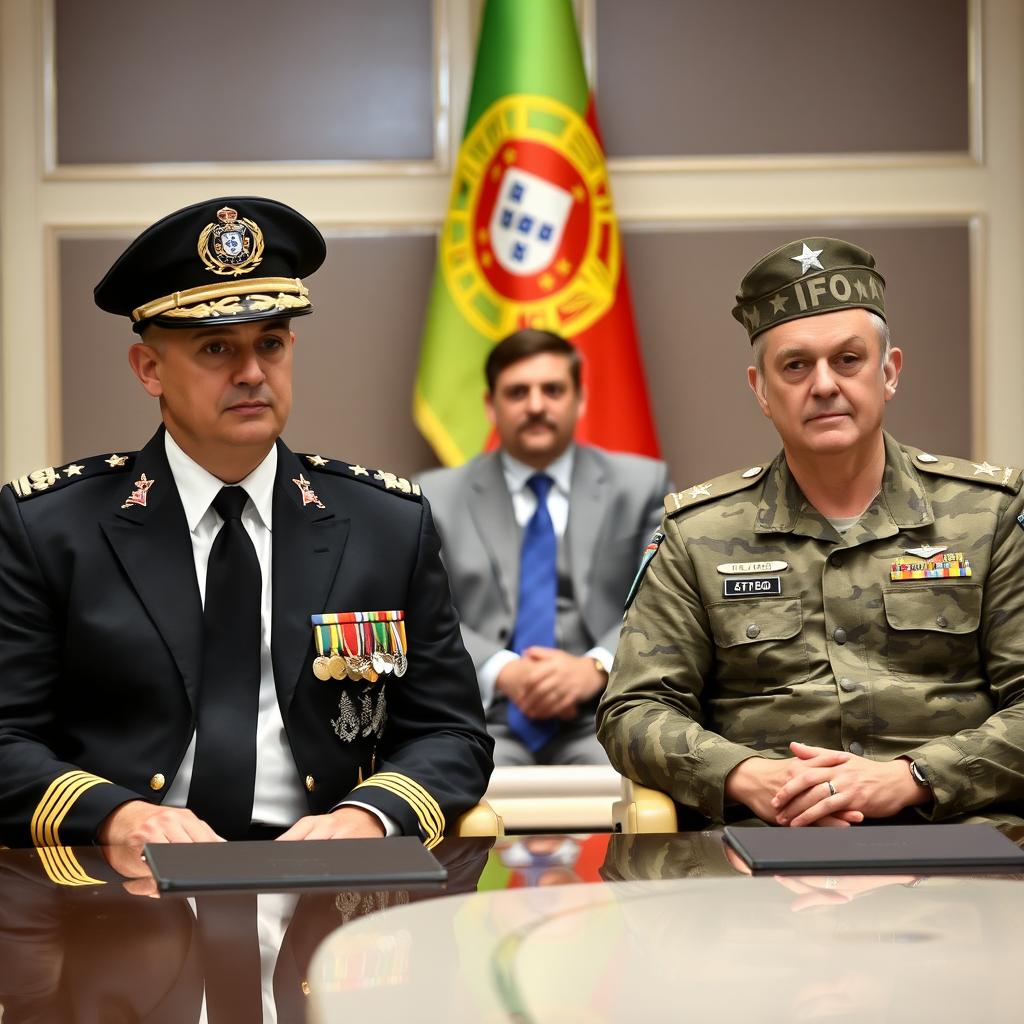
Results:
<point x="524" y="504"/>
<point x="278" y="798"/>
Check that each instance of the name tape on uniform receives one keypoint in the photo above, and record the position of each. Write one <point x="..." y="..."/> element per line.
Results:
<point x="766" y="586"/>
<point x="747" y="568"/>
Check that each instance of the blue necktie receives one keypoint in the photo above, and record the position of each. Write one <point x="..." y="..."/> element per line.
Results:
<point x="538" y="592"/>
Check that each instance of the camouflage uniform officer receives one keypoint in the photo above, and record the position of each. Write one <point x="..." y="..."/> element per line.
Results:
<point x="836" y="636"/>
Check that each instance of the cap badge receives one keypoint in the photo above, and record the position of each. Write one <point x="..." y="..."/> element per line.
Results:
<point x="232" y="246"/>
<point x="808" y="259"/>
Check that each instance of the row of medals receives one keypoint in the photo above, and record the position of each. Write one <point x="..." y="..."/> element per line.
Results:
<point x="359" y="666"/>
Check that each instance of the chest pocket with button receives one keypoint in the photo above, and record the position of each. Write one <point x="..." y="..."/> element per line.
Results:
<point x="759" y="645"/>
<point x="932" y="627"/>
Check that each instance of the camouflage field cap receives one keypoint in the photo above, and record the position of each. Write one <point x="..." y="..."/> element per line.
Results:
<point x="805" y="278"/>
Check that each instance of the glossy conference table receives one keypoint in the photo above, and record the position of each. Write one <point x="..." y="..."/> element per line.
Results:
<point x="529" y="929"/>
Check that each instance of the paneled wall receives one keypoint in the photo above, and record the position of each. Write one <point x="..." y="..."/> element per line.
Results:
<point x="730" y="128"/>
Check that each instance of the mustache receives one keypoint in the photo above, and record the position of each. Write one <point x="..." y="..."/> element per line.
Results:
<point x="535" y="420"/>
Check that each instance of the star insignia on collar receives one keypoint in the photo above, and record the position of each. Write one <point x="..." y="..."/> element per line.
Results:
<point x="74" y="470"/>
<point x="116" y="461"/>
<point x="316" y="460"/>
<point x="700" y="491"/>
<point x="985" y="469"/>
<point x="808" y="259"/>
<point x="358" y="471"/>
<point x="779" y="303"/>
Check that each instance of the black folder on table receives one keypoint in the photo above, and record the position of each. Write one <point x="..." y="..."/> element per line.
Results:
<point x="929" y="849"/>
<point x="350" y="863"/>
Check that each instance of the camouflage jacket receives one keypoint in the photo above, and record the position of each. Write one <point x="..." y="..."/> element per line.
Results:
<point x="840" y="643"/>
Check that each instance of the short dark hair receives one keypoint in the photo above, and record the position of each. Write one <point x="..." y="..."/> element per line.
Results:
<point x="526" y="343"/>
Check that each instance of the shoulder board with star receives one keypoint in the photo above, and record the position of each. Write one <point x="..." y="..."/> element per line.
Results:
<point x="700" y="494"/>
<point x="1009" y="478"/>
<point x="378" y="477"/>
<point x="53" y="478"/>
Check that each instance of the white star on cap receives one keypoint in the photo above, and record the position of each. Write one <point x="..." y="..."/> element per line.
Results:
<point x="808" y="259"/>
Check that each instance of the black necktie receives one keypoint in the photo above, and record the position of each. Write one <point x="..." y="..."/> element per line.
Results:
<point x="224" y="774"/>
<point x="229" y="937"/>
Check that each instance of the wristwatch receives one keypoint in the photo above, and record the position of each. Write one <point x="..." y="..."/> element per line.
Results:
<point x="918" y="776"/>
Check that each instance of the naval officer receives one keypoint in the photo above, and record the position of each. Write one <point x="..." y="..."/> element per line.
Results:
<point x="216" y="637"/>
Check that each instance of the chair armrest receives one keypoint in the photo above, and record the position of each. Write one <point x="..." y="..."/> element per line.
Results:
<point x="554" y="797"/>
<point x="640" y="809"/>
<point x="480" y="820"/>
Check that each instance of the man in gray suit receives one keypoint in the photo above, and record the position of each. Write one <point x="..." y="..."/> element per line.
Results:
<point x="541" y="540"/>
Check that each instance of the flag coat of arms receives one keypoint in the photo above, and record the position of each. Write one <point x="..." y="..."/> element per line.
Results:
<point x="530" y="239"/>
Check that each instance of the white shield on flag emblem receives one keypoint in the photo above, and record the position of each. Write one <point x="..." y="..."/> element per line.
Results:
<point x="232" y="242"/>
<point x="528" y="221"/>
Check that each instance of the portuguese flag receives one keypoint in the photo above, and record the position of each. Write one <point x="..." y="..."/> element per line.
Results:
<point x="530" y="240"/>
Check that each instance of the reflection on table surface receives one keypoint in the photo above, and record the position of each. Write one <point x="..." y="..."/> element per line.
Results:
<point x="80" y="942"/>
<point x="672" y="926"/>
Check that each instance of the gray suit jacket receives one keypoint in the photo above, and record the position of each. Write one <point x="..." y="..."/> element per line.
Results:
<point x="615" y="503"/>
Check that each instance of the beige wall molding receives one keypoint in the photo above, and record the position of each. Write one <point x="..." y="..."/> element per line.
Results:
<point x="445" y="42"/>
<point x="40" y="203"/>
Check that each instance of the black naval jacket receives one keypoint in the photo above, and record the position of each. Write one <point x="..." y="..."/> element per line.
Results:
<point x="100" y="637"/>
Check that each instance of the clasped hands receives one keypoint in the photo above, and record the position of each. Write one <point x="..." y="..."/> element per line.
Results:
<point x="545" y="682"/>
<point x="795" y="791"/>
